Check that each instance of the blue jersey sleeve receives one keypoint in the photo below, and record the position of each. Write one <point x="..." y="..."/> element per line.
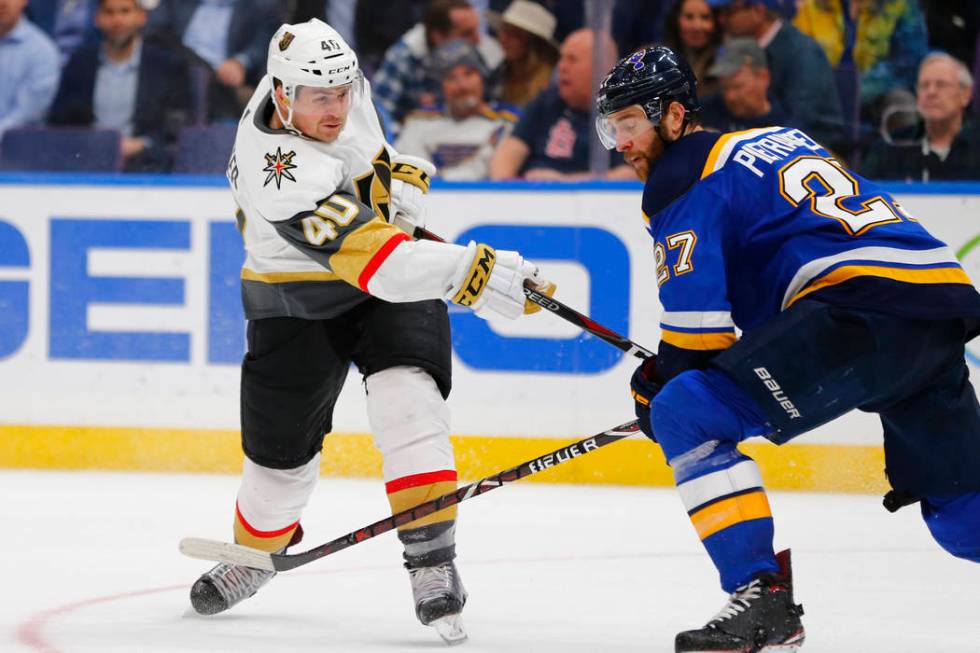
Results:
<point x="690" y="239"/>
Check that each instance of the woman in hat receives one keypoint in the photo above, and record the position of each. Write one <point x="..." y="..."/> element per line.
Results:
<point x="526" y="33"/>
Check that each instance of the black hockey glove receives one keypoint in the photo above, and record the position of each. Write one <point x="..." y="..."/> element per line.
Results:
<point x="644" y="386"/>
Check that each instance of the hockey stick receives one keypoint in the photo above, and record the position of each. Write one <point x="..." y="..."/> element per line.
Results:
<point x="236" y="554"/>
<point x="552" y="305"/>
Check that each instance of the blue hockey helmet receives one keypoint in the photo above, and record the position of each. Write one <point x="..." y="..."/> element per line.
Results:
<point x="650" y="78"/>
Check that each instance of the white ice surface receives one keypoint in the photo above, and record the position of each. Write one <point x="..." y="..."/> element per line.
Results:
<point x="89" y="562"/>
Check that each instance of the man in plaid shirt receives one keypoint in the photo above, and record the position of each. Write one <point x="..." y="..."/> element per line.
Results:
<point x="405" y="81"/>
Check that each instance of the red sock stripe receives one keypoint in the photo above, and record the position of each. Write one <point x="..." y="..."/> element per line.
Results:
<point x="256" y="532"/>
<point x="379" y="258"/>
<point x="416" y="480"/>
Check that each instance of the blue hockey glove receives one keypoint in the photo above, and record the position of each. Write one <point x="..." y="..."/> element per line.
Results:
<point x="644" y="386"/>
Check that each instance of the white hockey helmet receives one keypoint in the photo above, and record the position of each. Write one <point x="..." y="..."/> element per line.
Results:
<point x="311" y="54"/>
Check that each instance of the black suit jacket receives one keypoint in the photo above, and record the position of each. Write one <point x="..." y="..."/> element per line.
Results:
<point x="253" y="22"/>
<point x="161" y="107"/>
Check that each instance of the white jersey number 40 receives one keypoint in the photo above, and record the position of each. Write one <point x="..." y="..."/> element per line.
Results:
<point x="322" y="226"/>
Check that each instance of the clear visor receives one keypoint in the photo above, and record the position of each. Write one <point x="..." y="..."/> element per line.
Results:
<point x="333" y="102"/>
<point x="622" y="126"/>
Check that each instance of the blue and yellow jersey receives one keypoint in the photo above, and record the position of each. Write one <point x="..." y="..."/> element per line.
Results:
<point x="746" y="224"/>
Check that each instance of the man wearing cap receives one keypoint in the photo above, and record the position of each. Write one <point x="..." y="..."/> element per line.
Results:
<point x="801" y="78"/>
<point x="744" y="102"/>
<point x="527" y="35"/>
<point x="404" y="81"/>
<point x="459" y="134"/>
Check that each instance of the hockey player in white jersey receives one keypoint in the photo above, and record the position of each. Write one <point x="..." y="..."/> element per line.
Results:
<point x="329" y="279"/>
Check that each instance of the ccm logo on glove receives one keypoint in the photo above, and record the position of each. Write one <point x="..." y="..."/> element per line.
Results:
<point x="477" y="276"/>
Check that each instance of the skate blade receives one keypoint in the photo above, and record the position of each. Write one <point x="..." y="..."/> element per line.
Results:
<point x="791" y="646"/>
<point x="450" y="628"/>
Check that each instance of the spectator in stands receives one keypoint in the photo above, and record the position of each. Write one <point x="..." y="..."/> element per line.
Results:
<point x="802" y="80"/>
<point x="744" y="102"/>
<point x="404" y="82"/>
<point x="69" y="23"/>
<point x="569" y="14"/>
<point x="526" y="31"/>
<point x="551" y="140"/>
<point x="946" y="146"/>
<point x="460" y="134"/>
<point x="885" y="39"/>
<point x="29" y="68"/>
<point x="692" y="30"/>
<point x="232" y="36"/>
<point x="124" y="83"/>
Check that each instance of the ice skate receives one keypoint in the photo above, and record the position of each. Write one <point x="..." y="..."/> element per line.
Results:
<point x="225" y="586"/>
<point x="760" y="617"/>
<point x="439" y="600"/>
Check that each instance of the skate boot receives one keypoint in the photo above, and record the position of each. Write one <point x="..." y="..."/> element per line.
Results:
<point x="439" y="599"/>
<point x="760" y="617"/>
<point x="225" y="586"/>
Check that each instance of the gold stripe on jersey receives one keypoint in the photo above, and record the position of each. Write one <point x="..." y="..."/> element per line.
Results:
<point x="359" y="246"/>
<point x="709" y="165"/>
<point x="720" y="151"/>
<point x="288" y="277"/>
<point x="706" y="341"/>
<point x="951" y="274"/>
<point x="411" y="174"/>
<point x="413" y="496"/>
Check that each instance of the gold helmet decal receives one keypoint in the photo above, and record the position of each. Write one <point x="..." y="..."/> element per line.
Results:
<point x="286" y="39"/>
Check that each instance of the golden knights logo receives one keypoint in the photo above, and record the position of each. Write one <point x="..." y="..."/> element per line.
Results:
<point x="278" y="166"/>
<point x="374" y="188"/>
<point x="286" y="39"/>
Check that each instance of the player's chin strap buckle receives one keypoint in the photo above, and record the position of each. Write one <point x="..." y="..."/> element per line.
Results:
<point x="896" y="500"/>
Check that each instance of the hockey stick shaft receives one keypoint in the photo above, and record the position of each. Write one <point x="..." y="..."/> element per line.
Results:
<point x="566" y="313"/>
<point x="241" y="555"/>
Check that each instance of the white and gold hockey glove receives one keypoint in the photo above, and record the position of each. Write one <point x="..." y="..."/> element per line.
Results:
<point x="410" y="179"/>
<point x="491" y="282"/>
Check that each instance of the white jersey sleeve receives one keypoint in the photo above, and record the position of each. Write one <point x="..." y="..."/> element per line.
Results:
<point x="318" y="212"/>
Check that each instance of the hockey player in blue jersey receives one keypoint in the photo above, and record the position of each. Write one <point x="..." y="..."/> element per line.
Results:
<point x="843" y="301"/>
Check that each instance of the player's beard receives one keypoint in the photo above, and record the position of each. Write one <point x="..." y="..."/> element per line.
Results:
<point x="643" y="162"/>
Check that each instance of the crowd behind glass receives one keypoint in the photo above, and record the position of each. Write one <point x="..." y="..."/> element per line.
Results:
<point x="491" y="89"/>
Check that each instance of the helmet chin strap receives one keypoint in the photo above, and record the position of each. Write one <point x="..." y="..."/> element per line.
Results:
<point x="287" y="120"/>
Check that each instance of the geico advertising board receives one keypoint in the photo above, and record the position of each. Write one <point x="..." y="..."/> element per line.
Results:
<point x="119" y="306"/>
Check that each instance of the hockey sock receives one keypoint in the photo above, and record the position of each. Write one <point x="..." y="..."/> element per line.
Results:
<point x="270" y="502"/>
<point x="272" y="541"/>
<point x="430" y="540"/>
<point x="722" y="491"/>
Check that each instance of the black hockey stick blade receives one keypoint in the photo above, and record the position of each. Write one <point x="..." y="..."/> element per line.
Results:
<point x="237" y="554"/>
<point x="567" y="313"/>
